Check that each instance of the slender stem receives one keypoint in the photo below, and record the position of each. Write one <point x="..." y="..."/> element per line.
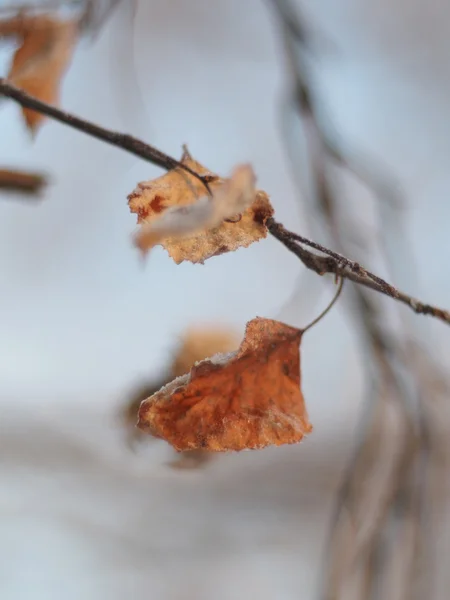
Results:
<point x="328" y="308"/>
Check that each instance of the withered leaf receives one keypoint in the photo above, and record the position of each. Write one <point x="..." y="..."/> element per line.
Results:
<point x="232" y="198"/>
<point x="39" y="63"/>
<point x="247" y="399"/>
<point x="175" y="211"/>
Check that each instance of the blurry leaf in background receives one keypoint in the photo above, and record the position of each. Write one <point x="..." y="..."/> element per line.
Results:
<point x="176" y="212"/>
<point x="42" y="58"/>
<point x="196" y="344"/>
<point x="199" y="343"/>
<point x="247" y="399"/>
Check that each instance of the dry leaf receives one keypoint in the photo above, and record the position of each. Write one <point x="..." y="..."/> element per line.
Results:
<point x="232" y="198"/>
<point x="176" y="212"/>
<point x="41" y="60"/>
<point x="243" y="400"/>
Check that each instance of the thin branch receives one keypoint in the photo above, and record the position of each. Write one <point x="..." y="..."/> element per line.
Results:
<point x="120" y="140"/>
<point x="348" y="269"/>
<point x="352" y="265"/>
<point x="333" y="263"/>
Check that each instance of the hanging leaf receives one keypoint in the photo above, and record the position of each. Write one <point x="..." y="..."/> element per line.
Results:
<point x="247" y="399"/>
<point x="40" y="62"/>
<point x="176" y="212"/>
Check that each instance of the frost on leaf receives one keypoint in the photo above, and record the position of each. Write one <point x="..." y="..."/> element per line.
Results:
<point x="175" y="211"/>
<point x="40" y="61"/>
<point x="247" y="399"/>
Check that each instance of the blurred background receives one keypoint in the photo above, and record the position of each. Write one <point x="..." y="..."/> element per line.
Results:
<point x="83" y="320"/>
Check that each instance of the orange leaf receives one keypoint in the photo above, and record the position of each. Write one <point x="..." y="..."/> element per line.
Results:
<point x="176" y="212"/>
<point x="243" y="400"/>
<point x="41" y="60"/>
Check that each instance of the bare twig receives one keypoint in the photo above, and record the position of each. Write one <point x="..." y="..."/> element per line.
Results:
<point x="120" y="140"/>
<point x="348" y="269"/>
<point x="333" y="263"/>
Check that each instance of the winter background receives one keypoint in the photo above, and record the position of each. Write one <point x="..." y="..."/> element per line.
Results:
<point x="81" y="319"/>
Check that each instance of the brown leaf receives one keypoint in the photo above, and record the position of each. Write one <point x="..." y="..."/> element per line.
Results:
<point x="243" y="400"/>
<point x="38" y="65"/>
<point x="176" y="212"/>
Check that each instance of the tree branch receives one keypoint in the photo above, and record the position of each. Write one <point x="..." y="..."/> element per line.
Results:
<point x="120" y="140"/>
<point x="332" y="263"/>
<point x="348" y="269"/>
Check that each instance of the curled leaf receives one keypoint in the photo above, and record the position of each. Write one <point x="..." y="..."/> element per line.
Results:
<point x="39" y="63"/>
<point x="247" y="399"/>
<point x="176" y="212"/>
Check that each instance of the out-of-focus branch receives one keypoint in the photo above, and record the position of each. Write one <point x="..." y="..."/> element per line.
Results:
<point x="333" y="263"/>
<point x="399" y="392"/>
<point x="21" y="181"/>
<point x="96" y="14"/>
